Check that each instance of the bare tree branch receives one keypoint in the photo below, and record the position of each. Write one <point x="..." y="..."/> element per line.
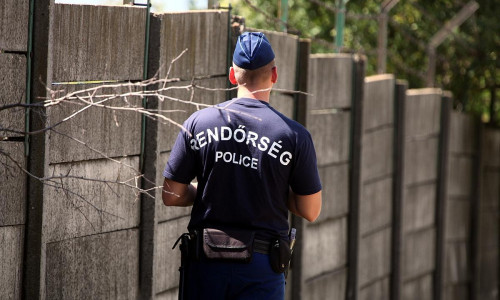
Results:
<point x="128" y="95"/>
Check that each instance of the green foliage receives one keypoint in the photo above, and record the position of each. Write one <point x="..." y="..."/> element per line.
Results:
<point x="467" y="61"/>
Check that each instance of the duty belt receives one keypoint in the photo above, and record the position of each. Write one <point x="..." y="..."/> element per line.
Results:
<point x="261" y="246"/>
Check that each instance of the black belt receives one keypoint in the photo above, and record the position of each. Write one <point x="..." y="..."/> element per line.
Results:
<point x="261" y="246"/>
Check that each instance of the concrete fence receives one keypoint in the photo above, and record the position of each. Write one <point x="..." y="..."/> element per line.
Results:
<point x="376" y="181"/>
<point x="411" y="188"/>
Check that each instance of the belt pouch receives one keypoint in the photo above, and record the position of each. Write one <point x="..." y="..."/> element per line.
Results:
<point x="231" y="245"/>
<point x="279" y="255"/>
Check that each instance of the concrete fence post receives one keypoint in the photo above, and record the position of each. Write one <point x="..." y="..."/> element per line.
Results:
<point x="33" y="253"/>
<point x="354" y="175"/>
<point x="486" y="250"/>
<point x="399" y="129"/>
<point x="149" y="171"/>
<point x="300" y="116"/>
<point x="441" y="192"/>
<point x="475" y="210"/>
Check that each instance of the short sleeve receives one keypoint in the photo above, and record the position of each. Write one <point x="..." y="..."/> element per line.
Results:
<point x="181" y="165"/>
<point x="304" y="179"/>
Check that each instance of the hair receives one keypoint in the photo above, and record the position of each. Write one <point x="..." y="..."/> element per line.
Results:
<point x="253" y="77"/>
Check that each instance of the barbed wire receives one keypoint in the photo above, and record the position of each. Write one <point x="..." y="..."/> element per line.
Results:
<point x="271" y="20"/>
<point x="400" y="64"/>
<point x="434" y="20"/>
<point x="358" y="44"/>
<point x="408" y="34"/>
<point x="348" y="15"/>
<point x="290" y="28"/>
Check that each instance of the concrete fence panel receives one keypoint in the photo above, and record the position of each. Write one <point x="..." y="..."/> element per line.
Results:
<point x="378" y="110"/>
<point x="421" y="155"/>
<point x="167" y="260"/>
<point x="488" y="227"/>
<point x="82" y="131"/>
<point x="102" y="266"/>
<point x="90" y="236"/>
<point x="418" y="289"/>
<point x="12" y="197"/>
<point x="325" y="244"/>
<point x="286" y="50"/>
<point x="335" y="181"/>
<point x="12" y="158"/>
<point x="11" y="261"/>
<point x="418" y="209"/>
<point x="422" y="112"/>
<point x="377" y="290"/>
<point x="422" y="119"/>
<point x="458" y="221"/>
<point x="168" y="295"/>
<point x="491" y="147"/>
<point x="97" y="42"/>
<point x="330" y="133"/>
<point x="283" y="103"/>
<point x="13" y="78"/>
<point x="336" y="69"/>
<point x="14" y="16"/>
<point x="375" y="264"/>
<point x="328" y="119"/>
<point x="375" y="203"/>
<point x="328" y="123"/>
<point x="376" y="206"/>
<point x="328" y="286"/>
<point x="463" y="133"/>
<point x="102" y="204"/>
<point x="460" y="203"/>
<point x="377" y="161"/>
<point x="206" y="52"/>
<point x="419" y="254"/>
<point x="456" y="287"/>
<point x="206" y="56"/>
<point x="461" y="168"/>
<point x="12" y="218"/>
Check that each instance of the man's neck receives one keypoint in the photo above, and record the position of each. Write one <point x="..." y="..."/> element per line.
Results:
<point x="261" y="94"/>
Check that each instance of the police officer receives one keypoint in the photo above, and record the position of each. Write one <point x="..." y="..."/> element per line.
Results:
<point x="252" y="165"/>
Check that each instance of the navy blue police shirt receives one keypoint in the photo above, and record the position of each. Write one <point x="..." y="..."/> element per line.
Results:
<point x="245" y="156"/>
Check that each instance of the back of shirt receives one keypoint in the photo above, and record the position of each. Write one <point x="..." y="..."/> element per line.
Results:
<point x="245" y="156"/>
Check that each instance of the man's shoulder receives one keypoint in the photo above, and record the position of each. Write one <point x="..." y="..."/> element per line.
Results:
<point x="219" y="112"/>
<point x="292" y="124"/>
<point x="205" y="113"/>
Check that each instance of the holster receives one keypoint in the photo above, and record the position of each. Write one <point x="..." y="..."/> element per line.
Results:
<point x="189" y="247"/>
<point x="279" y="255"/>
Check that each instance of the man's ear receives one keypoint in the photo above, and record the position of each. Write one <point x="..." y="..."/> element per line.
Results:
<point x="274" y="74"/>
<point x="232" y="78"/>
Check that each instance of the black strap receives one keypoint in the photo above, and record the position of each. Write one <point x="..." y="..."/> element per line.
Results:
<point x="261" y="246"/>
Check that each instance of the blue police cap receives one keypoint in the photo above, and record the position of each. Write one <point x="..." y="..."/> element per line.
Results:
<point x="252" y="51"/>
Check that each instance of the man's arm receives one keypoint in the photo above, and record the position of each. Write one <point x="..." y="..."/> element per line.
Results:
<point x="178" y="194"/>
<point x="305" y="206"/>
